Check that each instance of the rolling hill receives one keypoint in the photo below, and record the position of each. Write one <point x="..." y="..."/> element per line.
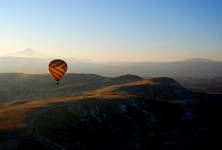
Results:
<point x="36" y="86"/>
<point x="107" y="118"/>
<point x="159" y="89"/>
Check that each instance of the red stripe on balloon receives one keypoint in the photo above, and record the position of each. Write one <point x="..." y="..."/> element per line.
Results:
<point x="60" y="70"/>
<point x="55" y="77"/>
<point x="56" y="72"/>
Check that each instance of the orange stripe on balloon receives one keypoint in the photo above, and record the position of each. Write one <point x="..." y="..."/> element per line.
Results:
<point x="62" y="65"/>
<point x="60" y="70"/>
<point x="56" y="72"/>
<point x="59" y="63"/>
<point x="55" y="77"/>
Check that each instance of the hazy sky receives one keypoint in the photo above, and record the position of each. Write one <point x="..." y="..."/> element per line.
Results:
<point x="113" y="30"/>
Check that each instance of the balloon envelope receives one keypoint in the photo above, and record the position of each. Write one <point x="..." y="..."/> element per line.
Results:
<point x="57" y="69"/>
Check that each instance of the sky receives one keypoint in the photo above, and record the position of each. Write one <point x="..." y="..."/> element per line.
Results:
<point x="113" y="30"/>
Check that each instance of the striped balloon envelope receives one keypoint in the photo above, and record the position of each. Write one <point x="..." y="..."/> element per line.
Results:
<point x="57" y="69"/>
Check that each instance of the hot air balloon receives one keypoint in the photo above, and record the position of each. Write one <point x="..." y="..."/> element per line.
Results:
<point x="57" y="69"/>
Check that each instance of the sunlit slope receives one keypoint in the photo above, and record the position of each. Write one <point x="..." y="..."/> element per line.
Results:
<point x="158" y="88"/>
<point x="19" y="114"/>
<point x="16" y="115"/>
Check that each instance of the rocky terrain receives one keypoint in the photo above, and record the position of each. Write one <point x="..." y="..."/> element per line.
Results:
<point x="143" y="114"/>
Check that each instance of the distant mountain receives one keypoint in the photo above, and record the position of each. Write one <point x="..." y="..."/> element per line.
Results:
<point x="30" y="61"/>
<point x="127" y="78"/>
<point x="199" y="60"/>
<point x="209" y="85"/>
<point x="28" y="53"/>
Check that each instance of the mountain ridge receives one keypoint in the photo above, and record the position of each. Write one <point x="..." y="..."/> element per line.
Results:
<point x="190" y="68"/>
<point x="156" y="88"/>
<point x="18" y="109"/>
<point x="200" y="60"/>
<point x="145" y="69"/>
<point x="28" y="53"/>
